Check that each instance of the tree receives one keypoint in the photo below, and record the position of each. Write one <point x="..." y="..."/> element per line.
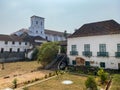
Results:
<point x="47" y="52"/>
<point x="65" y="34"/>
<point x="35" y="53"/>
<point x="90" y="83"/>
<point x="103" y="75"/>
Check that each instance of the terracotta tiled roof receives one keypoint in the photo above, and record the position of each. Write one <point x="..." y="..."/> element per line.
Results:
<point x="9" y="38"/>
<point x="97" y="28"/>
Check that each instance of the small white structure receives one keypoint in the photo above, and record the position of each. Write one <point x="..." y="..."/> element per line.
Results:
<point x="67" y="82"/>
<point x="95" y="44"/>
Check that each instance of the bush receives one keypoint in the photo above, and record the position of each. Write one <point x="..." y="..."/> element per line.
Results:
<point x="46" y="76"/>
<point x="50" y="74"/>
<point x="103" y="75"/>
<point x="91" y="84"/>
<point x="15" y="83"/>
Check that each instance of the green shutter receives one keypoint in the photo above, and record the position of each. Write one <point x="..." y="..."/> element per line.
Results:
<point x="87" y="63"/>
<point x="73" y="62"/>
<point x="102" y="64"/>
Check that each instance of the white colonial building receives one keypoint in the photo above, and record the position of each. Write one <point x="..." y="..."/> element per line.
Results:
<point x="12" y="48"/>
<point x="95" y="44"/>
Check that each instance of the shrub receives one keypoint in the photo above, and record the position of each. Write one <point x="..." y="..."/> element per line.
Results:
<point x="15" y="83"/>
<point x="103" y="75"/>
<point x="50" y="74"/>
<point x="46" y="76"/>
<point x="90" y="83"/>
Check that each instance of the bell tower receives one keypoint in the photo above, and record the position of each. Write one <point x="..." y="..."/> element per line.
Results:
<point x="37" y="26"/>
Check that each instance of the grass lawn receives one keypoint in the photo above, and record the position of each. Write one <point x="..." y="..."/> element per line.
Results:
<point x="21" y="67"/>
<point x="115" y="85"/>
<point x="56" y="83"/>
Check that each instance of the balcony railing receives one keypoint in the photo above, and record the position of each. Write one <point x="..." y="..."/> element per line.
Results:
<point x="73" y="52"/>
<point x="87" y="53"/>
<point x="117" y="54"/>
<point x="102" y="54"/>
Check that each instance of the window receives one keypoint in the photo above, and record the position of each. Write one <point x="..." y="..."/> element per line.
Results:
<point x="19" y="43"/>
<point x="36" y="22"/>
<point x="6" y="42"/>
<point x="102" y="64"/>
<point x="10" y="50"/>
<point x="102" y="47"/>
<point x="2" y="50"/>
<point x="36" y="31"/>
<point x="25" y="50"/>
<point x="25" y="43"/>
<point x="41" y="23"/>
<point x="87" y="63"/>
<point x="18" y="50"/>
<point x="118" y="47"/>
<point x="13" y="42"/>
<point x="74" y="48"/>
<point x="73" y="62"/>
<point x="86" y="47"/>
<point x="46" y="38"/>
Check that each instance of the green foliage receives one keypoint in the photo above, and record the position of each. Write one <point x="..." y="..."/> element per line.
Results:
<point x="65" y="34"/>
<point x="25" y="88"/>
<point x="47" y="52"/>
<point x="35" y="53"/>
<point x="103" y="75"/>
<point x="63" y="49"/>
<point x="15" y="83"/>
<point x="90" y="83"/>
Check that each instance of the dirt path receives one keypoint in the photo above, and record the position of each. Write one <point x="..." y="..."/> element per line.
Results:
<point x="7" y="82"/>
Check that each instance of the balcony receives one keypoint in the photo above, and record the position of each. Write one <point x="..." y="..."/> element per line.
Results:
<point x="117" y="54"/>
<point x="87" y="53"/>
<point x="102" y="54"/>
<point x="73" y="52"/>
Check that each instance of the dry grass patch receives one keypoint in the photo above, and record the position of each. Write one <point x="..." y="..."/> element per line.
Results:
<point x="115" y="85"/>
<point x="56" y="83"/>
<point x="18" y="67"/>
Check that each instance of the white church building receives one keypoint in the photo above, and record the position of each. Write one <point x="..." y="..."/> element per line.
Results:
<point x="37" y="28"/>
<point x="95" y="44"/>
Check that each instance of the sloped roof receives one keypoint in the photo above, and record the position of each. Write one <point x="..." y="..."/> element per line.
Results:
<point x="53" y="32"/>
<point x="10" y="38"/>
<point x="31" y="39"/>
<point x="97" y="28"/>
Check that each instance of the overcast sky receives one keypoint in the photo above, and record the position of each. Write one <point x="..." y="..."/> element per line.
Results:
<point x="59" y="15"/>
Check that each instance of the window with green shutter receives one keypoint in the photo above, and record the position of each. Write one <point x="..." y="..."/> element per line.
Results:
<point x="73" y="62"/>
<point x="87" y="63"/>
<point x="102" y="47"/>
<point x="86" y="47"/>
<point x="73" y="48"/>
<point x="102" y="64"/>
<point x="118" y="47"/>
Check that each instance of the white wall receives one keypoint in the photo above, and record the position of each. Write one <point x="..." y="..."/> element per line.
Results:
<point x="53" y="38"/>
<point x="14" y="46"/>
<point x="37" y="27"/>
<point x="111" y="42"/>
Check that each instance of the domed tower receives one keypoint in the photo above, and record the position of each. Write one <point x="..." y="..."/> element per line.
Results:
<point x="37" y="26"/>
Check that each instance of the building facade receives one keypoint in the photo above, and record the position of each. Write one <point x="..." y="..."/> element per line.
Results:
<point x="12" y="48"/>
<point x="95" y="44"/>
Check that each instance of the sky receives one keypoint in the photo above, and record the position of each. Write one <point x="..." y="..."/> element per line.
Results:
<point x="59" y="15"/>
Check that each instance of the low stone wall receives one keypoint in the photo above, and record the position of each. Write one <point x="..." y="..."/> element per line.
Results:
<point x="13" y="56"/>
